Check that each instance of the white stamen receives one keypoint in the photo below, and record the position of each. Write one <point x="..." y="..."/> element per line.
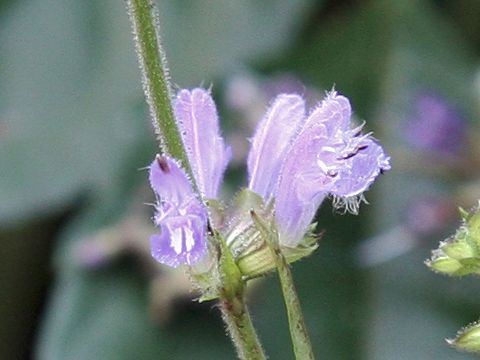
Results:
<point x="329" y="149"/>
<point x="189" y="241"/>
<point x="322" y="166"/>
<point x="176" y="240"/>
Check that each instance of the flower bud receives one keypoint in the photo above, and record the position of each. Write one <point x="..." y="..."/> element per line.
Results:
<point x="467" y="339"/>
<point x="445" y="265"/>
<point x="460" y="254"/>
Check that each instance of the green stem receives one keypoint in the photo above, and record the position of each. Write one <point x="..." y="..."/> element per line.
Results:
<point x="234" y="309"/>
<point x="235" y="314"/>
<point x="298" y="330"/>
<point x="144" y="19"/>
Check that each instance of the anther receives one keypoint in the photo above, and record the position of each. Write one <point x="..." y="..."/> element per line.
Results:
<point x="162" y="162"/>
<point x="354" y="152"/>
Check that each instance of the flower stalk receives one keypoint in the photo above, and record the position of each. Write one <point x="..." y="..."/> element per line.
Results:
<point x="235" y="314"/>
<point x="234" y="309"/>
<point x="155" y="78"/>
<point x="302" y="346"/>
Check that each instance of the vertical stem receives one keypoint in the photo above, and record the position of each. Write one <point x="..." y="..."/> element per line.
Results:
<point x="144" y="19"/>
<point x="155" y="79"/>
<point x="298" y="330"/>
<point x="235" y="314"/>
<point x="234" y="310"/>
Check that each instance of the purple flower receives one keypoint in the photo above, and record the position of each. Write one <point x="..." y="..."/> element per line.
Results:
<point x="322" y="157"/>
<point x="180" y="215"/>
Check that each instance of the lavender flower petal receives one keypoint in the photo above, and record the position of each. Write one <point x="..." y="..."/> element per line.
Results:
<point x="181" y="241"/>
<point x="169" y="181"/>
<point x="196" y="112"/>
<point x="327" y="158"/>
<point x="302" y="187"/>
<point x="359" y="171"/>
<point x="272" y="140"/>
<point x="181" y="217"/>
<point x="334" y="112"/>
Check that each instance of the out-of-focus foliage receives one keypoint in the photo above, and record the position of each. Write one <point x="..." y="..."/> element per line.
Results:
<point x="73" y="134"/>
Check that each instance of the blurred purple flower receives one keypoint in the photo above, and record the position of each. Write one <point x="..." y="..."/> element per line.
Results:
<point x="299" y="161"/>
<point x="436" y="126"/>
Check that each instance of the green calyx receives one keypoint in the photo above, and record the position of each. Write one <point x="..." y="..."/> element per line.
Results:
<point x="239" y="248"/>
<point x="249" y="243"/>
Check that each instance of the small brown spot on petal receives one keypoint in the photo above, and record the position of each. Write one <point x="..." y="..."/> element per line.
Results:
<point x="162" y="162"/>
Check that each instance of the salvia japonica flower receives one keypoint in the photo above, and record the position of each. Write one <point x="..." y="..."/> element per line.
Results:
<point x="299" y="160"/>
<point x="180" y="214"/>
<point x="295" y="161"/>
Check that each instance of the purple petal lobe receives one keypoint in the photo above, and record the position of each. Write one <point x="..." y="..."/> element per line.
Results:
<point x="334" y="112"/>
<point x="181" y="241"/>
<point x="179" y="214"/>
<point x="327" y="158"/>
<point x="272" y="140"/>
<point x="359" y="171"/>
<point x="208" y="156"/>
<point x="169" y="181"/>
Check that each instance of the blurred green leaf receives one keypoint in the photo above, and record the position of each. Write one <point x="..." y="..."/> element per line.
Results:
<point x="67" y="94"/>
<point x="208" y="39"/>
<point x="413" y="311"/>
<point x="105" y="316"/>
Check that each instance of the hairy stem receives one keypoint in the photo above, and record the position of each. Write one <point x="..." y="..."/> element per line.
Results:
<point x="155" y="79"/>
<point x="234" y="310"/>
<point x="235" y="314"/>
<point x="298" y="330"/>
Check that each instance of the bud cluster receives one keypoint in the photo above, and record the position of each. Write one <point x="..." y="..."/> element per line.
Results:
<point x="459" y="256"/>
